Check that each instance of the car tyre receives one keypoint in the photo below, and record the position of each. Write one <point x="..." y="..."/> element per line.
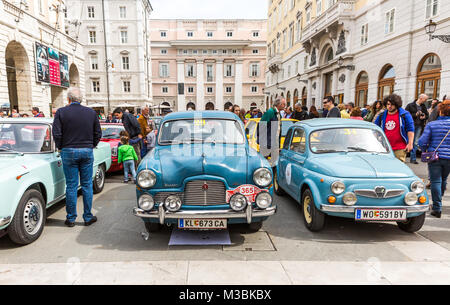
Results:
<point x="412" y="224"/>
<point x="278" y="190"/>
<point x="313" y="218"/>
<point x="152" y="227"/>
<point x="254" y="227"/>
<point x="99" y="179"/>
<point x="29" y="218"/>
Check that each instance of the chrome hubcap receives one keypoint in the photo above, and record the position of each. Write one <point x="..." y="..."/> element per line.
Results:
<point x="99" y="177"/>
<point x="307" y="209"/>
<point x="32" y="216"/>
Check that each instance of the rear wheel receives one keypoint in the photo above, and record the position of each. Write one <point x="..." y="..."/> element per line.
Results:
<point x="313" y="218"/>
<point x="29" y="218"/>
<point x="413" y="224"/>
<point x="99" y="179"/>
<point x="278" y="190"/>
<point x="152" y="227"/>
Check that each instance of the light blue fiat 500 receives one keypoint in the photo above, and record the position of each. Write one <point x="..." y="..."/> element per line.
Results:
<point x="346" y="168"/>
<point x="32" y="177"/>
<point x="202" y="175"/>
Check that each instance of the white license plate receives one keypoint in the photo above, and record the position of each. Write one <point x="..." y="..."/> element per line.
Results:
<point x="380" y="214"/>
<point x="202" y="224"/>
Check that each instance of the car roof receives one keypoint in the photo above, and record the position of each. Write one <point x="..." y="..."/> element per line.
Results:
<point x="328" y="123"/>
<point x="30" y="120"/>
<point x="201" y="115"/>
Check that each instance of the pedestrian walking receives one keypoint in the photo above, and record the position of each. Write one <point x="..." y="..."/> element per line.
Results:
<point x="332" y="111"/>
<point x="151" y="139"/>
<point x="237" y="111"/>
<point x="398" y="125"/>
<point x="376" y="109"/>
<point x="76" y="131"/>
<point x="127" y="155"/>
<point x="288" y="113"/>
<point x="433" y="111"/>
<point x="36" y="113"/>
<point x="269" y="130"/>
<point x="419" y="113"/>
<point x="436" y="138"/>
<point x="131" y="125"/>
<point x="144" y="121"/>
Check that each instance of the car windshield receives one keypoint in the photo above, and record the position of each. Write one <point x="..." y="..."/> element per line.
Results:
<point x="157" y="122"/>
<point x="111" y="132"/>
<point x="348" y="140"/>
<point x="285" y="125"/>
<point x="201" y="131"/>
<point x="25" y="138"/>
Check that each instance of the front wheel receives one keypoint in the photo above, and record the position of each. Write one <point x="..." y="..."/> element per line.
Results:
<point x="413" y="224"/>
<point x="99" y="179"/>
<point x="313" y="218"/>
<point x="29" y="218"/>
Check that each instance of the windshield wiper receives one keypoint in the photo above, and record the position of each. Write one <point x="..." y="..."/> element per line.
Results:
<point x="358" y="149"/>
<point x="323" y="151"/>
<point x="10" y="150"/>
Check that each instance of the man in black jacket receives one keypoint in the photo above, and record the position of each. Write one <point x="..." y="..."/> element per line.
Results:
<point x="76" y="131"/>
<point x="300" y="113"/>
<point x="419" y="113"/>
<point x="132" y="126"/>
<point x="333" y="111"/>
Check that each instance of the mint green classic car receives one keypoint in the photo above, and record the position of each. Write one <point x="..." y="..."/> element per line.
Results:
<point x="32" y="177"/>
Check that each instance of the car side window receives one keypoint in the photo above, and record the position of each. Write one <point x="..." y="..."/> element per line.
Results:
<point x="298" y="143"/>
<point x="287" y="139"/>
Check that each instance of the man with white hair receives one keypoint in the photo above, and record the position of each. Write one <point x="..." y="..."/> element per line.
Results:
<point x="76" y="130"/>
<point x="420" y="115"/>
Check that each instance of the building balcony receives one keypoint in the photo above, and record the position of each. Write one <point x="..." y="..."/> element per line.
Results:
<point x="328" y="21"/>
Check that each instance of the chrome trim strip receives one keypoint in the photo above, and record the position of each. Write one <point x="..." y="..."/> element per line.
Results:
<point x="5" y="221"/>
<point x="373" y="194"/>
<point x="351" y="209"/>
<point x="219" y="214"/>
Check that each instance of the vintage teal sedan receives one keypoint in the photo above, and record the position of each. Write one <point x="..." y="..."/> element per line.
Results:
<point x="32" y="176"/>
<point x="202" y="175"/>
<point x="346" y="168"/>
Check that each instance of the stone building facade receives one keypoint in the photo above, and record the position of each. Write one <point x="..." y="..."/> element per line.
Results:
<point x="23" y="26"/>
<point x="356" y="50"/>
<point x="208" y="64"/>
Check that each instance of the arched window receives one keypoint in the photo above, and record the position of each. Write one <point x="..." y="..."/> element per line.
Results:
<point x="386" y="83"/>
<point x="429" y="76"/>
<point x="191" y="106"/>
<point x="304" y="96"/>
<point x="329" y="55"/>
<point x="362" y="87"/>
<point x="288" y="99"/>
<point x="295" y="97"/>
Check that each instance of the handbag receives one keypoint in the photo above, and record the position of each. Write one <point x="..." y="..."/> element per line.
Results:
<point x="428" y="157"/>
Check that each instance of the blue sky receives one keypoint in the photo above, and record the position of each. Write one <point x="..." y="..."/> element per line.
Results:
<point x="209" y="9"/>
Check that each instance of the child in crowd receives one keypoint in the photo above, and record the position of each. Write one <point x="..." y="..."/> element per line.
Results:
<point x="127" y="155"/>
<point x="151" y="139"/>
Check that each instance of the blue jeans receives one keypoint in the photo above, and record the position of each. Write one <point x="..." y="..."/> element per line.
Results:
<point x="78" y="162"/>
<point x="417" y="133"/>
<point x="128" y="166"/>
<point x="438" y="172"/>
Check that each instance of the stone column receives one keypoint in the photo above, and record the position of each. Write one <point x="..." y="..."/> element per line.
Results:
<point x="219" y="85"/>
<point x="238" y="83"/>
<point x="200" y="86"/>
<point x="348" y="87"/>
<point x="181" y="101"/>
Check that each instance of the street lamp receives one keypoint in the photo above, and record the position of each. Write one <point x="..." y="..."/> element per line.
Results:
<point x="430" y="28"/>
<point x="341" y="64"/>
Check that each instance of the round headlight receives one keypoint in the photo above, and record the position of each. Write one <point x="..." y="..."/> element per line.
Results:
<point x="262" y="177"/>
<point x="349" y="199"/>
<point x="411" y="198"/>
<point x="417" y="187"/>
<point x="338" y="187"/>
<point x="146" y="202"/>
<point x="238" y="202"/>
<point x="146" y="179"/>
<point x="172" y="203"/>
<point x="264" y="200"/>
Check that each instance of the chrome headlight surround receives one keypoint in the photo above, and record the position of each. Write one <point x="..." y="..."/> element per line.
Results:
<point x="262" y="177"/>
<point x="146" y="202"/>
<point x="146" y="179"/>
<point x="173" y="203"/>
<point x="350" y="199"/>
<point x="114" y="151"/>
<point x="411" y="198"/>
<point x="263" y="200"/>
<point x="238" y="202"/>
<point x="417" y="187"/>
<point x="338" y="187"/>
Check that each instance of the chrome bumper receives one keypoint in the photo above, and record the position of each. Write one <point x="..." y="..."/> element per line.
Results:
<point x="5" y="221"/>
<point x="351" y="209"/>
<point x="249" y="213"/>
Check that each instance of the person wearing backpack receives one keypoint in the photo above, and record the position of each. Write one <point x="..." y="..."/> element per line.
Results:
<point x="398" y="125"/>
<point x="436" y="139"/>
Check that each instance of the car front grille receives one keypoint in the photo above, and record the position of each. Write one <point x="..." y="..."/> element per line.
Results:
<point x="196" y="193"/>
<point x="379" y="195"/>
